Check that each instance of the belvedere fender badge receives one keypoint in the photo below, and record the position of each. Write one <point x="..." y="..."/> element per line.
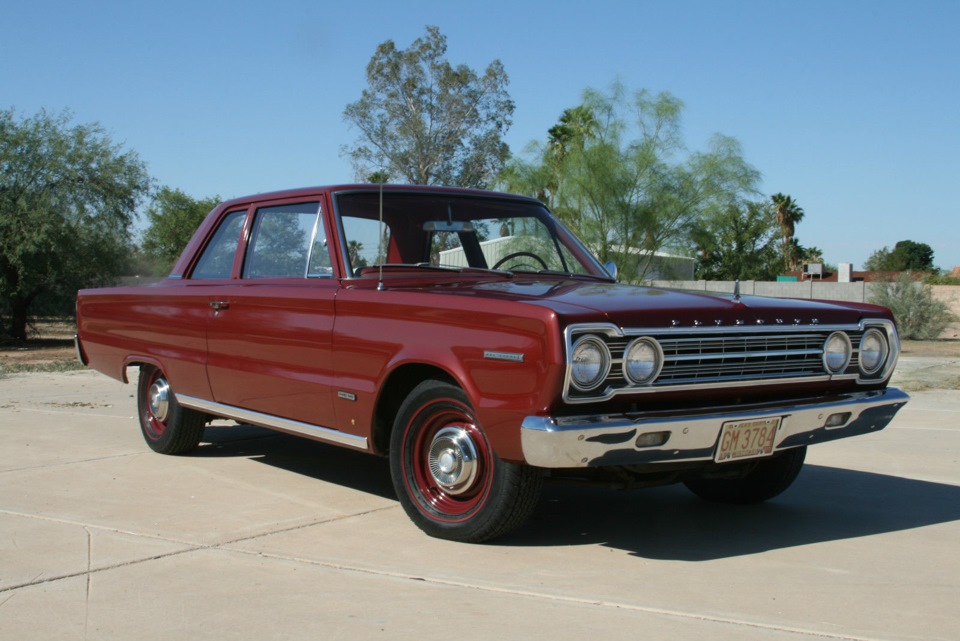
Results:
<point x="503" y="356"/>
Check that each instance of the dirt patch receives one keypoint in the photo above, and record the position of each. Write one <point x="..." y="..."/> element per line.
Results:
<point x="936" y="349"/>
<point x="50" y="349"/>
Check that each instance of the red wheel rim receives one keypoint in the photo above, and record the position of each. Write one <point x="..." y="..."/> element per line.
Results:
<point x="436" y="500"/>
<point x="155" y="406"/>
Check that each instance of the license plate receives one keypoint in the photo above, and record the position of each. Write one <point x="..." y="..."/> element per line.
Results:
<point x="747" y="439"/>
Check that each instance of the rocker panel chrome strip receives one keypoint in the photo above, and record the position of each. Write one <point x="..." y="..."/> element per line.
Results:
<point x="274" y="422"/>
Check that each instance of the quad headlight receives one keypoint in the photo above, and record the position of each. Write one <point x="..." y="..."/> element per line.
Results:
<point x="642" y="361"/>
<point x="590" y="363"/>
<point x="836" y="352"/>
<point x="873" y="351"/>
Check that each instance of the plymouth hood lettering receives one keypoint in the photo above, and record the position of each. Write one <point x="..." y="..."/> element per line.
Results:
<point x="636" y="306"/>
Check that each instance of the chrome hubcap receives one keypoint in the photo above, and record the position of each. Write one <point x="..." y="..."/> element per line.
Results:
<point x="453" y="460"/>
<point x="160" y="399"/>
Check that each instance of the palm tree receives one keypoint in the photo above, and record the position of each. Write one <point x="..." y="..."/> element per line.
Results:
<point x="378" y="177"/>
<point x="354" y="247"/>
<point x="812" y="255"/>
<point x="788" y="215"/>
<point x="578" y="126"/>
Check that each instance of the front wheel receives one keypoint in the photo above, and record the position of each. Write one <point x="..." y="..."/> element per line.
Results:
<point x="765" y="479"/>
<point x="167" y="427"/>
<point x="448" y="479"/>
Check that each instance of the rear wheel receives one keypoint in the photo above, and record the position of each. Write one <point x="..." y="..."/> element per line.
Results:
<point x="449" y="480"/>
<point x="167" y="427"/>
<point x="765" y="479"/>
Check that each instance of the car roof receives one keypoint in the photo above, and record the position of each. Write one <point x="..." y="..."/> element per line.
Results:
<point x="369" y="187"/>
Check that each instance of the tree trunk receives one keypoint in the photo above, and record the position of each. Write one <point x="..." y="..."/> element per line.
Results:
<point x="17" y="328"/>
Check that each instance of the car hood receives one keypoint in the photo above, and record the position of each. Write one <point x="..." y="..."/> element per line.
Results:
<point x="633" y="306"/>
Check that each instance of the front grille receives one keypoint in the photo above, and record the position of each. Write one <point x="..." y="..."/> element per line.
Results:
<point x="695" y="360"/>
<point x="710" y="356"/>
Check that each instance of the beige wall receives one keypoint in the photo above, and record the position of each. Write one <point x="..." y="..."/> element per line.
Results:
<point x="950" y="294"/>
<point x="858" y="292"/>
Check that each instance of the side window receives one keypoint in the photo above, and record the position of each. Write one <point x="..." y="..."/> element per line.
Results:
<point x="217" y="258"/>
<point x="287" y="241"/>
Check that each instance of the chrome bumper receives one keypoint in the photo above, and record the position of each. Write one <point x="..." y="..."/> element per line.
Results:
<point x="81" y="355"/>
<point x="595" y="441"/>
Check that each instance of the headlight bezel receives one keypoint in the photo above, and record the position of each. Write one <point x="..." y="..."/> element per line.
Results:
<point x="657" y="362"/>
<point x="847" y="353"/>
<point x="585" y="342"/>
<point x="884" y="352"/>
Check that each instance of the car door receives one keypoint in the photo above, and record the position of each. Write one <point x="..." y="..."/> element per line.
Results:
<point x="270" y="329"/>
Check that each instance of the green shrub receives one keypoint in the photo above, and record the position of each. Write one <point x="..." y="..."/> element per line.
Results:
<point x="919" y="315"/>
<point x="941" y="279"/>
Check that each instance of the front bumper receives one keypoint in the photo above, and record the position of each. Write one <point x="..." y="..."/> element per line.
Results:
<point x="595" y="441"/>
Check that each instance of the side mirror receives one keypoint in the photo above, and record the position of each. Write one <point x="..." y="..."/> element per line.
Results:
<point x="611" y="268"/>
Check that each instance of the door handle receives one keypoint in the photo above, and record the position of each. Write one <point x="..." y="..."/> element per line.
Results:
<point x="218" y="305"/>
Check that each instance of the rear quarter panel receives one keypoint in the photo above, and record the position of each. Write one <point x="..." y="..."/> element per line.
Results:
<point x="164" y="325"/>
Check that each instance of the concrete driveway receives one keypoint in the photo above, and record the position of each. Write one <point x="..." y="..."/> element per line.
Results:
<point x="265" y="536"/>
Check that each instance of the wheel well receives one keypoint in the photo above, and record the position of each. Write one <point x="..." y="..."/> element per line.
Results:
<point x="396" y="388"/>
<point x="138" y="363"/>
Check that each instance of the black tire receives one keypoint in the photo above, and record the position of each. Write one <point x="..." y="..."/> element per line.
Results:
<point x="449" y="480"/>
<point x="766" y="479"/>
<point x="167" y="427"/>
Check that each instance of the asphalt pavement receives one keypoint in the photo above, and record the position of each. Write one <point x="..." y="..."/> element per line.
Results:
<point x="265" y="536"/>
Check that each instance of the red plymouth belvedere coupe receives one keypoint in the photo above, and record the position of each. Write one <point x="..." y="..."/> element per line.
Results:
<point x="473" y="340"/>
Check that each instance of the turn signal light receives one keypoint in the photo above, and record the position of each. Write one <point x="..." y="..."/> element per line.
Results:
<point x="652" y="439"/>
<point x="837" y="420"/>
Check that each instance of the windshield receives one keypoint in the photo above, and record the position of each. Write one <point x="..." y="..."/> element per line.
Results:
<point x="456" y="232"/>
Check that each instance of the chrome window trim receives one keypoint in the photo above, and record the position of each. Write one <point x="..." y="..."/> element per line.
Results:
<point x="317" y="226"/>
<point x="606" y="391"/>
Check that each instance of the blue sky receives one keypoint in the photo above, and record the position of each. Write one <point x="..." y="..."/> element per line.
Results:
<point x="852" y="108"/>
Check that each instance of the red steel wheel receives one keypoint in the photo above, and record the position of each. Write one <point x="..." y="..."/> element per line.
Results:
<point x="450" y="461"/>
<point x="154" y="404"/>
<point x="167" y="427"/>
<point x="447" y="477"/>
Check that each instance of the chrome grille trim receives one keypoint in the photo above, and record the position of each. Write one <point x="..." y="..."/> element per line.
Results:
<point x="717" y="356"/>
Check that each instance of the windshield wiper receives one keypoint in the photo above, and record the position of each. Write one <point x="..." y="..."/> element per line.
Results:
<point x="414" y="266"/>
<point x="444" y="268"/>
<point x="557" y="272"/>
<point x="484" y="270"/>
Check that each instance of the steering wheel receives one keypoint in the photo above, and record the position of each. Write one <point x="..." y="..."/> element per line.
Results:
<point x="519" y="255"/>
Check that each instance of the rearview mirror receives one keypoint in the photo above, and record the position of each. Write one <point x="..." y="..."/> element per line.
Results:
<point x="455" y="226"/>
